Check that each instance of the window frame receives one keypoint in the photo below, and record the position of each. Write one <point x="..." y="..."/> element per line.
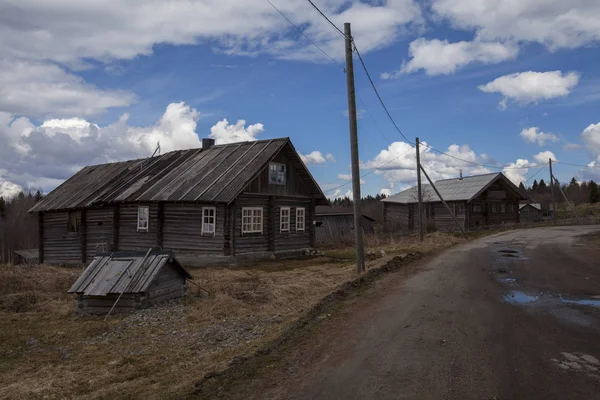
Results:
<point x="252" y="223"/>
<point x="494" y="208"/>
<point x="510" y="208"/>
<point x="298" y="219"/>
<point x="214" y="220"/>
<point x="271" y="182"/>
<point x="502" y="208"/>
<point x="147" y="227"/>
<point x="478" y="206"/>
<point x="289" y="219"/>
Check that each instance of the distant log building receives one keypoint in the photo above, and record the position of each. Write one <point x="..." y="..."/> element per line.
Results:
<point x="217" y="204"/>
<point x="477" y="201"/>
<point x="336" y="224"/>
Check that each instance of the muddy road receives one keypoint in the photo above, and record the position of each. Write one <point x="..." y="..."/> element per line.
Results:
<point x="510" y="316"/>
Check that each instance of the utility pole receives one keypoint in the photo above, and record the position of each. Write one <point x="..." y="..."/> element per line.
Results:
<point x="552" y="190"/>
<point x="419" y="194"/>
<point x="360" y="252"/>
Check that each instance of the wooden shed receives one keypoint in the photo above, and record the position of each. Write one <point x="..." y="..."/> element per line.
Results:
<point x="219" y="204"/>
<point x="530" y="212"/>
<point x="135" y="279"/>
<point x="336" y="225"/>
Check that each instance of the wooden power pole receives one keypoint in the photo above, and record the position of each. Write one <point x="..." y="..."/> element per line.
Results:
<point x="419" y="193"/>
<point x="552" y="190"/>
<point x="360" y="252"/>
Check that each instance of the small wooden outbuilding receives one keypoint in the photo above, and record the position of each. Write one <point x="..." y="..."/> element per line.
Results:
<point x="530" y="212"/>
<point x="336" y="225"/>
<point x="136" y="280"/>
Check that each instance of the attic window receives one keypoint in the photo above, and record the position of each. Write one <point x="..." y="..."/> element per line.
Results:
<point x="73" y="220"/>
<point x="143" y="218"/>
<point x="277" y="174"/>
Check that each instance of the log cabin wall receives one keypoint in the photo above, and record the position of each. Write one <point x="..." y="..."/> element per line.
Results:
<point x="61" y="246"/>
<point x="99" y="231"/>
<point x="132" y="239"/>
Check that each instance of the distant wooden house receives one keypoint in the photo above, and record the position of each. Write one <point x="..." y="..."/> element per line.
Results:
<point x="530" y="212"/>
<point x="217" y="204"/>
<point x="128" y="281"/>
<point x="477" y="201"/>
<point x="336" y="224"/>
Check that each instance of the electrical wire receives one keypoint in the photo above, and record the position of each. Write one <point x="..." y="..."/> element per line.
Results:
<point x="371" y="171"/>
<point x="327" y="19"/>
<point x="576" y="165"/>
<point x="540" y="170"/>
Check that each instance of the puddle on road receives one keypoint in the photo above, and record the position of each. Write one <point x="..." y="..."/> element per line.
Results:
<point x="508" y="251"/>
<point x="517" y="296"/>
<point x="507" y="280"/>
<point x="584" y="302"/>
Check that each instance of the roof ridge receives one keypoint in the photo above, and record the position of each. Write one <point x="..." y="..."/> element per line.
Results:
<point x="467" y="177"/>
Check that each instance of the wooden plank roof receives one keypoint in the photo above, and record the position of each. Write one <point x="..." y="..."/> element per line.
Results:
<point x="123" y="272"/>
<point x="217" y="174"/>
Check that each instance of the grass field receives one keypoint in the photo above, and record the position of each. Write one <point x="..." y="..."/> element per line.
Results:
<point x="46" y="351"/>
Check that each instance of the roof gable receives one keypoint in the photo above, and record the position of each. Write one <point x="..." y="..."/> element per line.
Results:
<point x="217" y="174"/>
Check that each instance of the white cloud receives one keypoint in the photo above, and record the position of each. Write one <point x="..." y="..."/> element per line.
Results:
<point x="42" y="156"/>
<point x="544" y="156"/>
<point x="516" y="171"/>
<point x="348" y="177"/>
<point x="316" y="157"/>
<point x="535" y="135"/>
<point x="41" y="88"/>
<point x="386" y="192"/>
<point x="339" y="193"/>
<point x="397" y="163"/>
<point x="223" y="132"/>
<point x="530" y="86"/>
<point x="8" y="189"/>
<point x="440" y="57"/>
<point x="591" y="139"/>
<point x="553" y="23"/>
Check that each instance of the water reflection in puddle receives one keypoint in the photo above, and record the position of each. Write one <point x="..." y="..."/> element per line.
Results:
<point x="516" y="296"/>
<point x="584" y="302"/>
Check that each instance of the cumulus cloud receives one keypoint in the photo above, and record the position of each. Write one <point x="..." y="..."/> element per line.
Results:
<point x="535" y="135"/>
<point x="440" y="57"/>
<point x="552" y="23"/>
<point x="316" y="157"/>
<point x="223" y="132"/>
<point x="340" y="193"/>
<point x="572" y="146"/>
<point x="529" y="87"/>
<point x="591" y="139"/>
<point x="544" y="156"/>
<point x="516" y="171"/>
<point x="43" y="156"/>
<point x="386" y="192"/>
<point x="397" y="163"/>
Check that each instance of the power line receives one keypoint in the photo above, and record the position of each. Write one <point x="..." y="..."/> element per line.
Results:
<point x="302" y="32"/>
<point x="576" y="165"/>
<point x="372" y="171"/>
<point x="327" y="19"/>
<point x="540" y="170"/>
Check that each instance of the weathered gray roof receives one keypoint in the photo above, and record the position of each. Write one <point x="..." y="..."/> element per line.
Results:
<point x="217" y="174"/>
<point x="455" y="189"/>
<point x="123" y="272"/>
<point x="537" y="206"/>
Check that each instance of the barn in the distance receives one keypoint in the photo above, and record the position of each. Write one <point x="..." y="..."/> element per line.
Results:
<point x="129" y="281"/>
<point x="215" y="205"/>
<point x="477" y="201"/>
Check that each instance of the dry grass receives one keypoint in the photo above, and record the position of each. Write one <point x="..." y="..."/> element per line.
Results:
<point x="48" y="352"/>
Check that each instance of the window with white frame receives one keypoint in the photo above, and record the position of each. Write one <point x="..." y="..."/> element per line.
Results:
<point x="252" y="220"/>
<point x="300" y="213"/>
<point x="277" y="174"/>
<point x="143" y="218"/>
<point x="284" y="219"/>
<point x="209" y="217"/>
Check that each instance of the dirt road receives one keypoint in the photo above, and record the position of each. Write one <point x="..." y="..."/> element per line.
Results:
<point x="510" y="316"/>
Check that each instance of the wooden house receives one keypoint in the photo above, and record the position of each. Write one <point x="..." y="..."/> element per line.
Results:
<point x="125" y="281"/>
<point x="217" y="204"/>
<point x="336" y="224"/>
<point x="477" y="201"/>
<point x="530" y="212"/>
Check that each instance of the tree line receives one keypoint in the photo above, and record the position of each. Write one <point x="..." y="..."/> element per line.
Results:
<point x="18" y="228"/>
<point x="576" y="192"/>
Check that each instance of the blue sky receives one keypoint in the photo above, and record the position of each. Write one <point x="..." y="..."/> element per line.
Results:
<point x="501" y="84"/>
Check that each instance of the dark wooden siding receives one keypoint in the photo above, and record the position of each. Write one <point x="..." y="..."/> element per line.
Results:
<point x="60" y="246"/>
<point x="334" y="229"/>
<point x="182" y="230"/>
<point x="251" y="242"/>
<point x="99" y="230"/>
<point x="130" y="239"/>
<point x="397" y="217"/>
<point x="168" y="284"/>
<point x="294" y="185"/>
<point x="443" y="219"/>
<point x="293" y="239"/>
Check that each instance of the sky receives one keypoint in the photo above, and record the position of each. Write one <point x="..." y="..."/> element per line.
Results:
<point x="497" y="85"/>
